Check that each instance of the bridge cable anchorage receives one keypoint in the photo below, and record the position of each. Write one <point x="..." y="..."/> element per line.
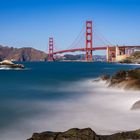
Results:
<point x="89" y="41"/>
<point x="51" y="49"/>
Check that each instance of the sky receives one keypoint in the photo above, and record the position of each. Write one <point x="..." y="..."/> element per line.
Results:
<point x="29" y="23"/>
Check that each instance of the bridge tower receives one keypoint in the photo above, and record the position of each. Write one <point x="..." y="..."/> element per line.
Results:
<point x="89" y="41"/>
<point x="51" y="48"/>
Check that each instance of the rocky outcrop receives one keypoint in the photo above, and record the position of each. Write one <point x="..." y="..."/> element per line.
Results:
<point x="124" y="79"/>
<point x="105" y="77"/>
<point x="85" y="134"/>
<point x="6" y="62"/>
<point x="134" y="58"/>
<point x="21" y="54"/>
<point x="10" y="64"/>
<point x="127" y="79"/>
<point x="136" y="106"/>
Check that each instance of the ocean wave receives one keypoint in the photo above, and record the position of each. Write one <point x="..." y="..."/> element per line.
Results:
<point x="6" y="68"/>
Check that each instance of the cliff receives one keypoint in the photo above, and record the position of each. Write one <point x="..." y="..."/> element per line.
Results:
<point x="85" y="134"/>
<point x="21" y="54"/>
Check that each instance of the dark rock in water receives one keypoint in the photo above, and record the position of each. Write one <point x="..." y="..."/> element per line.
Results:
<point x="136" y="106"/>
<point x="85" y="134"/>
<point x="96" y="80"/>
<point x="10" y="64"/>
<point x="105" y="77"/>
<point x="126" y="79"/>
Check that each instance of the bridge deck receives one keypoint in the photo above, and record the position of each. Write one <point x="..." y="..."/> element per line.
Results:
<point x="93" y="49"/>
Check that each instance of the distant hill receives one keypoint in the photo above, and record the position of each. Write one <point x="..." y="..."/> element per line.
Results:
<point x="134" y="58"/>
<point x="72" y="57"/>
<point x="21" y="54"/>
<point x="82" y="57"/>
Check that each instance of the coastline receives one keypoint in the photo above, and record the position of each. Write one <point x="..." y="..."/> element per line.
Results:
<point x="88" y="133"/>
<point x="64" y="105"/>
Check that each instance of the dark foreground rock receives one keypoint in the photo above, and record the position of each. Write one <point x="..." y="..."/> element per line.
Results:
<point x="85" y="134"/>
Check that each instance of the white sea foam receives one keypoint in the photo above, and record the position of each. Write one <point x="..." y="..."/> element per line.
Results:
<point x="105" y="110"/>
<point x="4" y="68"/>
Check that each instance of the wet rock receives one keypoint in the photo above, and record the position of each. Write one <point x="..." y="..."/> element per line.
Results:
<point x="105" y="77"/>
<point x="72" y="134"/>
<point x="10" y="64"/>
<point x="85" y="134"/>
<point x="136" y="105"/>
<point x="126" y="79"/>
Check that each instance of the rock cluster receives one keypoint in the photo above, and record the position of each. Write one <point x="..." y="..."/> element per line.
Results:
<point x="85" y="134"/>
<point x="10" y="64"/>
<point x="127" y="79"/>
<point x="134" y="58"/>
<point x="124" y="79"/>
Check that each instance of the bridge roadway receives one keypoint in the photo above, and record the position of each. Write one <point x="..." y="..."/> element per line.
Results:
<point x="93" y="49"/>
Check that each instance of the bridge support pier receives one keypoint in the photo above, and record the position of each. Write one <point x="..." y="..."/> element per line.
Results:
<point x="111" y="54"/>
<point x="116" y="54"/>
<point x="89" y="41"/>
<point x="51" y="48"/>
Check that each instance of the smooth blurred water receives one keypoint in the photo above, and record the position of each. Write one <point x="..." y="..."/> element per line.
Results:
<point x="28" y="95"/>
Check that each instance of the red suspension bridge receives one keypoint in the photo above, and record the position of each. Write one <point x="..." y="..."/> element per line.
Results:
<point x="113" y="53"/>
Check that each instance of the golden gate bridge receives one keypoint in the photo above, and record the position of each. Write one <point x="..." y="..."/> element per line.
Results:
<point x="113" y="53"/>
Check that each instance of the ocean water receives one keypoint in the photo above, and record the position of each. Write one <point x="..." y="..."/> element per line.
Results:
<point x="56" y="96"/>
